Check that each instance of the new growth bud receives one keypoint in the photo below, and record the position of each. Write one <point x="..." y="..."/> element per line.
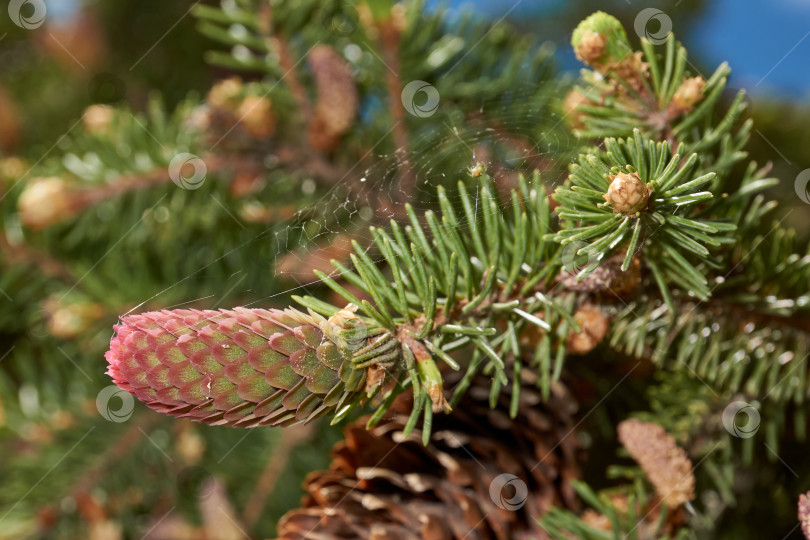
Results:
<point x="627" y="194"/>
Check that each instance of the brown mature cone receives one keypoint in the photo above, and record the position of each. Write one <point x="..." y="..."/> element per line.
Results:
<point x="608" y="277"/>
<point x="336" y="107"/>
<point x="665" y="463"/>
<point x="483" y="475"/>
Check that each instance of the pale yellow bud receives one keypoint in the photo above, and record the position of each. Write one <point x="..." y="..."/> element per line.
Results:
<point x="225" y="94"/>
<point x="574" y="99"/>
<point x="256" y="114"/>
<point x="689" y="93"/>
<point x="627" y="194"/>
<point x="97" y="118"/>
<point x="591" y="47"/>
<point x="45" y="201"/>
<point x="71" y="320"/>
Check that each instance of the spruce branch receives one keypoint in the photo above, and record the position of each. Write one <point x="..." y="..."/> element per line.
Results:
<point x="476" y="283"/>
<point x="639" y="196"/>
<point x="617" y="513"/>
<point x="651" y="89"/>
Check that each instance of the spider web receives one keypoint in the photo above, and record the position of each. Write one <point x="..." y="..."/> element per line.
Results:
<point x="507" y="136"/>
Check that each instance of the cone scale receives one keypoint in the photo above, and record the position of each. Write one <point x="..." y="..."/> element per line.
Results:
<point x="241" y="367"/>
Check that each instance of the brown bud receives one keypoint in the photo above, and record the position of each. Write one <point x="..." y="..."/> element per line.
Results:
<point x="46" y="201"/>
<point x="593" y="328"/>
<point x="594" y="519"/>
<point x="591" y="47"/>
<point x="689" y="93"/>
<point x="106" y="529"/>
<point x="666" y="464"/>
<point x="632" y="69"/>
<point x="627" y="194"/>
<point x="225" y="94"/>
<point x="12" y="168"/>
<point x="574" y="99"/>
<point x="190" y="445"/>
<point x="96" y="118"/>
<point x="256" y="114"/>
<point x="67" y="321"/>
<point x="256" y="212"/>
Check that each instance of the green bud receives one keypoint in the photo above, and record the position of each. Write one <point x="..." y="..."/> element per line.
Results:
<point x="600" y="40"/>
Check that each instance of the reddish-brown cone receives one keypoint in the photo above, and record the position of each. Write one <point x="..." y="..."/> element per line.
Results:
<point x="240" y="367"/>
<point x="483" y="474"/>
